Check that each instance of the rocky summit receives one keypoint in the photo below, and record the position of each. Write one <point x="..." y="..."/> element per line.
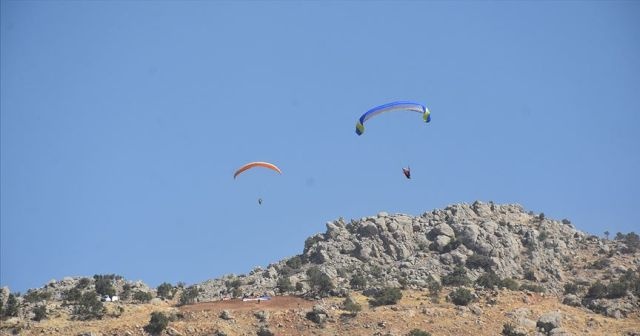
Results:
<point x="467" y="269"/>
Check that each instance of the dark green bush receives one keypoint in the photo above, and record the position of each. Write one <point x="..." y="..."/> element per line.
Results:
<point x="299" y="286"/>
<point x="479" y="261"/>
<point x="319" y="281"/>
<point x="617" y="290"/>
<point x="489" y="280"/>
<point x="72" y="295"/>
<point x="83" y="283"/>
<point x="597" y="291"/>
<point x="189" y="295"/>
<point x="104" y="286"/>
<point x="358" y="281"/>
<point x="418" y="332"/>
<point x="89" y="307"/>
<point x="141" y="296"/>
<point x="533" y="288"/>
<point x="458" y="277"/>
<point x="295" y="262"/>
<point x="351" y="306"/>
<point x="165" y="290"/>
<point x="571" y="288"/>
<point x="509" y="283"/>
<point x="461" y="296"/>
<point x="11" y="308"/>
<point x="33" y="296"/>
<point x="284" y="284"/>
<point x="40" y="313"/>
<point x="386" y="296"/>
<point x="158" y="323"/>
<point x="600" y="264"/>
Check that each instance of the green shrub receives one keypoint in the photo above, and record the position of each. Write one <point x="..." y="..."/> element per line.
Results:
<point x="433" y="286"/>
<point x="294" y="262"/>
<point x="40" y="313"/>
<point x="351" y="306"/>
<point x="461" y="296"/>
<point x="488" y="280"/>
<point x="165" y="290"/>
<point x="386" y="296"/>
<point x="72" y="295"/>
<point x="299" y="286"/>
<point x="533" y="288"/>
<point x="126" y="292"/>
<point x="600" y="264"/>
<point x="617" y="290"/>
<point x="33" y="296"/>
<point x="458" y="277"/>
<point x="89" y="307"/>
<point x="141" y="296"/>
<point x="284" y="284"/>
<point x="104" y="286"/>
<point x="158" y="322"/>
<point x="597" y="291"/>
<point x="543" y="236"/>
<point x="11" y="309"/>
<point x="509" y="283"/>
<point x="83" y="283"/>
<point x="632" y="242"/>
<point x="571" y="288"/>
<point x="358" y="281"/>
<point x="530" y="275"/>
<point x="235" y="283"/>
<point x="311" y="241"/>
<point x="189" y="295"/>
<point x="479" y="261"/>
<point x="319" y="281"/>
<point x="418" y="332"/>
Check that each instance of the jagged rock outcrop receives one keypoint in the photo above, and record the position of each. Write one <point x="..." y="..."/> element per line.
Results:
<point x="406" y="251"/>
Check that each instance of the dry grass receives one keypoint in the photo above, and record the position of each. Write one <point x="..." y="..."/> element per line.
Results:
<point x="287" y="317"/>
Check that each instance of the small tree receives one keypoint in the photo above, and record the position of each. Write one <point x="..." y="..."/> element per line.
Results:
<point x="458" y="277"/>
<point x="89" y="307"/>
<point x="319" y="281"/>
<point x="12" y="308"/>
<point x="358" y="281"/>
<point x="606" y="235"/>
<point x="479" y="261"/>
<point x="461" y="296"/>
<point x="40" y="313"/>
<point x="488" y="280"/>
<point x="284" y="284"/>
<point x="294" y="262"/>
<point x="158" y="322"/>
<point x="386" y="296"/>
<point x="189" y="295"/>
<point x="571" y="288"/>
<point x="104" y="286"/>
<point x="141" y="296"/>
<point x="351" y="306"/>
<point x="165" y="290"/>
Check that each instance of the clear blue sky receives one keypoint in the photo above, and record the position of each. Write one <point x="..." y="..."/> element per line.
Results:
<point x="122" y="123"/>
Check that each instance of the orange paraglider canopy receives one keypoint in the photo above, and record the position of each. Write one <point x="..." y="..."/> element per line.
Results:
<point x="256" y="164"/>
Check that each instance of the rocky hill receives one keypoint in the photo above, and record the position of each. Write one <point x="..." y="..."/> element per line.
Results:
<point x="478" y="269"/>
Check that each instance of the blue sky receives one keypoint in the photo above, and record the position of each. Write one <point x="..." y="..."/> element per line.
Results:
<point x="122" y="123"/>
